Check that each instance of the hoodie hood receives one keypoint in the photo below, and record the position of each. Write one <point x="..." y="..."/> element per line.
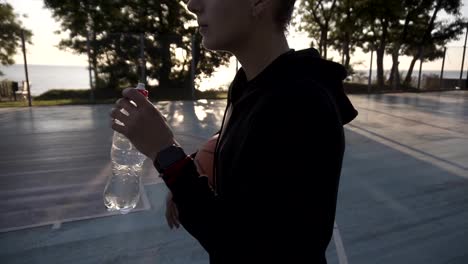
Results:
<point x="308" y="65"/>
<point x="305" y="66"/>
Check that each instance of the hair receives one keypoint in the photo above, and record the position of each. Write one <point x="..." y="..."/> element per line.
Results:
<point x="283" y="13"/>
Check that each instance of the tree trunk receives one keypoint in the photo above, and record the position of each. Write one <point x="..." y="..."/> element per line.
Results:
<point x="195" y="55"/>
<point x="394" y="79"/>
<point x="165" y="70"/>
<point x="114" y="73"/>
<point x="347" y="37"/>
<point x="380" y="68"/>
<point x="426" y="36"/>
<point x="342" y="55"/>
<point x="380" y="55"/>
<point x="325" y="41"/>
<point x="321" y="44"/>
<point x="408" y="78"/>
<point x="397" y="77"/>
<point x="346" y="51"/>
<point x="390" y="78"/>
<point x="94" y="60"/>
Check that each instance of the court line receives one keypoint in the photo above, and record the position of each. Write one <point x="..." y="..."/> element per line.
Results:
<point x="340" y="251"/>
<point x="414" y="121"/>
<point x="446" y="165"/>
<point x="58" y="223"/>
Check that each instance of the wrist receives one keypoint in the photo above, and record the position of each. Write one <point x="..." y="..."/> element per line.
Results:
<point x="155" y="153"/>
<point x="168" y="156"/>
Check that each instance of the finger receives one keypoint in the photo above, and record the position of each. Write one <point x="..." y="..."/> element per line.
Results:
<point x="172" y="220"/>
<point x="172" y="212"/>
<point x="175" y="218"/>
<point x="169" y="210"/>
<point x="169" y="197"/>
<point x="176" y="224"/>
<point x="168" y="217"/>
<point x="121" y="129"/>
<point x="124" y="103"/>
<point x="176" y="212"/>
<point x="169" y="222"/>
<point x="135" y="96"/>
<point x="117" y="114"/>
<point x="176" y="215"/>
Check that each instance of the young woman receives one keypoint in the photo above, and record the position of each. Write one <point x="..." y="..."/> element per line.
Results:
<point x="279" y="152"/>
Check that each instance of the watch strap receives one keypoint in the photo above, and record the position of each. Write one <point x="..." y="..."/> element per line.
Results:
<point x="172" y="173"/>
<point x="168" y="156"/>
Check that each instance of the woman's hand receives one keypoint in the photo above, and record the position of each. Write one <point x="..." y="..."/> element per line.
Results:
<point x="172" y="214"/>
<point x="144" y="125"/>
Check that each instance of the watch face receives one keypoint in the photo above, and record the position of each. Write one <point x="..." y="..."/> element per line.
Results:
<point x="169" y="156"/>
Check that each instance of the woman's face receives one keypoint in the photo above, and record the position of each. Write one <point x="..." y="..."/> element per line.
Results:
<point x="224" y="24"/>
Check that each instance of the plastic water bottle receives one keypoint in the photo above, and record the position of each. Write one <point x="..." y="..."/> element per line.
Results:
<point x="123" y="188"/>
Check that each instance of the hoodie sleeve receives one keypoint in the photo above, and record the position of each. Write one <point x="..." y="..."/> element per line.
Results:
<point x="195" y="201"/>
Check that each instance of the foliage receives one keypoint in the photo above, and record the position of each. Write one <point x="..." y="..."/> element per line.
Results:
<point x="114" y="29"/>
<point x="10" y="34"/>
<point x="394" y="27"/>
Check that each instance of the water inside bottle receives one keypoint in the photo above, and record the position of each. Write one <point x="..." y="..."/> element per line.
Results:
<point x="122" y="192"/>
<point x="123" y="189"/>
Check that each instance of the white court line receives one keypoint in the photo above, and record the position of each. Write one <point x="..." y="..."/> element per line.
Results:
<point x="58" y="224"/>
<point x="413" y="153"/>
<point x="340" y="251"/>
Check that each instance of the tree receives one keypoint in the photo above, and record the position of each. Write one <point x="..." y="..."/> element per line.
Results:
<point x="379" y="17"/>
<point x="115" y="28"/>
<point x="317" y="19"/>
<point x="347" y="31"/>
<point x="392" y="27"/>
<point x="411" y="17"/>
<point x="10" y="34"/>
<point x="433" y="33"/>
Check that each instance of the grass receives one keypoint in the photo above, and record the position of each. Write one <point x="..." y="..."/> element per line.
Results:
<point x="67" y="97"/>
<point x="211" y="95"/>
<point x="57" y="102"/>
<point x="358" y="88"/>
<point x="81" y="97"/>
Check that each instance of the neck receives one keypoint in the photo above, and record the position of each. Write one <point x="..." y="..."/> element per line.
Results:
<point x="260" y="51"/>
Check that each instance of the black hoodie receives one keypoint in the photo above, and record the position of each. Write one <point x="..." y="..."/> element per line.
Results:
<point x="277" y="166"/>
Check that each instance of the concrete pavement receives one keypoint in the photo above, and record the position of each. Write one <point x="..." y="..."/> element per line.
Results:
<point x="403" y="192"/>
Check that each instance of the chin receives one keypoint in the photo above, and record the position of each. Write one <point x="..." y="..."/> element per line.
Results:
<point x="216" y="45"/>
<point x="210" y="45"/>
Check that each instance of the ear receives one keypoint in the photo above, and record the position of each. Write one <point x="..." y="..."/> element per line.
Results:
<point x="260" y="6"/>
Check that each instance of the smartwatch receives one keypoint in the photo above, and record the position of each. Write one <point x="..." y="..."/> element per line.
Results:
<point x="167" y="157"/>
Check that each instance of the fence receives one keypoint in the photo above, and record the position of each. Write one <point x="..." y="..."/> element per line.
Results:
<point x="449" y="72"/>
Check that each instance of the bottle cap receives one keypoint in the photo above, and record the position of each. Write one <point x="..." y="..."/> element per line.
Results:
<point x="141" y="88"/>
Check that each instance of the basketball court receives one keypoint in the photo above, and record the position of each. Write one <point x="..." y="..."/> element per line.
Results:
<point x="403" y="191"/>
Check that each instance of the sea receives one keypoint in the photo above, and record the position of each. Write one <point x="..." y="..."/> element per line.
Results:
<point x="47" y="77"/>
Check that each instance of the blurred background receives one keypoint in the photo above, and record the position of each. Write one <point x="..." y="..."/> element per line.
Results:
<point x="108" y="45"/>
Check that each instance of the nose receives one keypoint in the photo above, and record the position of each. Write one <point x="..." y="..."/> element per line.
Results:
<point x="194" y="6"/>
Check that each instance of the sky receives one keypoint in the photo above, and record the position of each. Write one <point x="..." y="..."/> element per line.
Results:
<point x="44" y="50"/>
